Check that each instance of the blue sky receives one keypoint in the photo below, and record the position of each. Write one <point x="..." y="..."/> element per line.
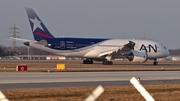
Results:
<point x="152" y="19"/>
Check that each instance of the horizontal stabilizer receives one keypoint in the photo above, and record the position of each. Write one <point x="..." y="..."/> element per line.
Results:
<point x="20" y="40"/>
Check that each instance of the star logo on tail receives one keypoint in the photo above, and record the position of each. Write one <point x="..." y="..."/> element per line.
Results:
<point x="37" y="24"/>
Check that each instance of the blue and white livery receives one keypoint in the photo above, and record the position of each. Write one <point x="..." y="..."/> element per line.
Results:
<point x="93" y="48"/>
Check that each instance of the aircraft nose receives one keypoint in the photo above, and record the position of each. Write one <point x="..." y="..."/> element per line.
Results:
<point x="167" y="52"/>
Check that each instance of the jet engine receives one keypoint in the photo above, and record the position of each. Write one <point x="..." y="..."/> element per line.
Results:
<point x="138" y="57"/>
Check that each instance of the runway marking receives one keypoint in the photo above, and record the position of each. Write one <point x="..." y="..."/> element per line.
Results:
<point x="141" y="89"/>
<point x="95" y="94"/>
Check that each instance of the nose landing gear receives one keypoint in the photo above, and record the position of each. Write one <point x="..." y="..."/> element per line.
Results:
<point x="155" y="62"/>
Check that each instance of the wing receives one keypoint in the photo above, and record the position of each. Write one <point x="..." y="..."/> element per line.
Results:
<point x="126" y="49"/>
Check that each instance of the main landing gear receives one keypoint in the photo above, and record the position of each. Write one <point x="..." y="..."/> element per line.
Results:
<point x="106" y="62"/>
<point x="88" y="61"/>
<point x="155" y="62"/>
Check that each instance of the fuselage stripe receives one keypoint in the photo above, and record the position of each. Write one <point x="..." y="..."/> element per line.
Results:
<point x="42" y="34"/>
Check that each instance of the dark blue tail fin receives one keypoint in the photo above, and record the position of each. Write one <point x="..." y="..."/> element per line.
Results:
<point x="38" y="28"/>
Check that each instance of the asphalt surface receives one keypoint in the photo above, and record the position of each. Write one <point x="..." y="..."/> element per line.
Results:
<point x="81" y="84"/>
<point x="30" y="80"/>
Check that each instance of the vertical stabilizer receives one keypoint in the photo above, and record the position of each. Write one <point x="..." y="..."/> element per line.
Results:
<point x="38" y="28"/>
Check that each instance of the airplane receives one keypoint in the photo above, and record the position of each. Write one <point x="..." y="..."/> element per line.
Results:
<point x="93" y="49"/>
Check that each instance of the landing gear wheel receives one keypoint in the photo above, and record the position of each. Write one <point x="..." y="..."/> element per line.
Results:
<point x="155" y="63"/>
<point x="107" y="62"/>
<point x="110" y="62"/>
<point x="88" y="61"/>
<point x="104" y="62"/>
<point x="85" y="62"/>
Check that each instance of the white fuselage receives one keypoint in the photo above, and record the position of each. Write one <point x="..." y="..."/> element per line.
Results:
<point x="153" y="49"/>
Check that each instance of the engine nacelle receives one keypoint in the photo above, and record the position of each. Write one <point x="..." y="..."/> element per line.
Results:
<point x="138" y="57"/>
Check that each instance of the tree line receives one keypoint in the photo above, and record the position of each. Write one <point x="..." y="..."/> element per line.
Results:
<point x="23" y="50"/>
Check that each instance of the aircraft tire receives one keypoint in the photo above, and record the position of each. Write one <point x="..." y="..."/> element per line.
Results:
<point x="107" y="62"/>
<point x="110" y="62"/>
<point x="155" y="63"/>
<point x="104" y="62"/>
<point x="84" y="61"/>
<point x="90" y="62"/>
<point x="87" y="62"/>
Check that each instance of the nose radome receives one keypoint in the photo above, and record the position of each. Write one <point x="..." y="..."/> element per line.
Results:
<point x="167" y="52"/>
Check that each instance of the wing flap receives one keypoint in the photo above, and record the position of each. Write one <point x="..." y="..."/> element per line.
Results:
<point x="107" y="53"/>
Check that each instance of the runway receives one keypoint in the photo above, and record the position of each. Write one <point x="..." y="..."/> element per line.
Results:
<point x="29" y="80"/>
<point x="81" y="84"/>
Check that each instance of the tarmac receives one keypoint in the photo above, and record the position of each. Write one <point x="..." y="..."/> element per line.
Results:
<point x="30" y="80"/>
